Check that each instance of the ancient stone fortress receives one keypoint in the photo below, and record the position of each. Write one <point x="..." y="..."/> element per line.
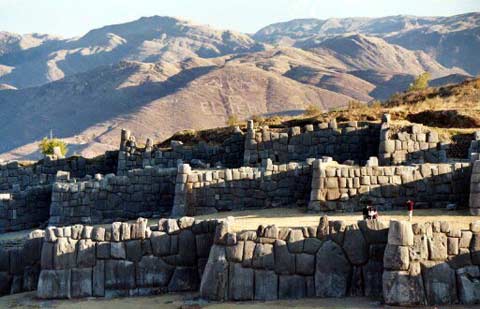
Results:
<point x="123" y="224"/>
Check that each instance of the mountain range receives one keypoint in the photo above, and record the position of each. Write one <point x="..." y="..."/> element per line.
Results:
<point x="158" y="75"/>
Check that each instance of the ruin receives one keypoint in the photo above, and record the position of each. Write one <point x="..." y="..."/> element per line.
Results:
<point x="324" y="167"/>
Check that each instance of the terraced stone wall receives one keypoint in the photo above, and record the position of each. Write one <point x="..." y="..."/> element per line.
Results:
<point x="125" y="259"/>
<point x="350" y="141"/>
<point x="229" y="153"/>
<point x="25" y="209"/>
<point x="147" y="192"/>
<point x="474" y="202"/>
<point x="340" y="187"/>
<point x="20" y="264"/>
<point x="206" y="191"/>
<point x="431" y="264"/>
<point x="331" y="260"/>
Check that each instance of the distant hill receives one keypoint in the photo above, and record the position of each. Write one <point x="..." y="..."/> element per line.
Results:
<point x="452" y="41"/>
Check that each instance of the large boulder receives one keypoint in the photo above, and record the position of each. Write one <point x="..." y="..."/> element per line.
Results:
<point x="215" y="276"/>
<point x="437" y="247"/>
<point x="468" y="280"/>
<point x="291" y="287"/>
<point x="152" y="271"/>
<point x="396" y="257"/>
<point x="266" y="285"/>
<point x="184" y="279"/>
<point x="403" y="288"/>
<point x="284" y="260"/>
<point x="374" y="231"/>
<point x="355" y="245"/>
<point x="332" y="271"/>
<point x="81" y="282"/>
<point x="64" y="253"/>
<point x="439" y="282"/>
<point x="241" y="282"/>
<point x="119" y="275"/>
<point x="400" y="233"/>
<point x="54" y="284"/>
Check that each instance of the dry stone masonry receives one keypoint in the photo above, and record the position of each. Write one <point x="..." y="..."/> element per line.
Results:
<point x="341" y="187"/>
<point x="125" y="259"/>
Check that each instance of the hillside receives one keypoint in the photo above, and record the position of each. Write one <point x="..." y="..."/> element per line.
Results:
<point x="149" y="39"/>
<point x="154" y="100"/>
<point x="433" y="35"/>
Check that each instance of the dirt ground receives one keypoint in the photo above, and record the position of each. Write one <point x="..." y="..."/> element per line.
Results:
<point x="297" y="217"/>
<point x="189" y="301"/>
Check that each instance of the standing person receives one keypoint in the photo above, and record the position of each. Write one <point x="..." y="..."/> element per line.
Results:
<point x="410" y="205"/>
<point x="365" y="212"/>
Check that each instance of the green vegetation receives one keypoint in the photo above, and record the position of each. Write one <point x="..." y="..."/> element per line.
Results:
<point x="232" y="120"/>
<point x="47" y="145"/>
<point x="312" y="110"/>
<point x="420" y="83"/>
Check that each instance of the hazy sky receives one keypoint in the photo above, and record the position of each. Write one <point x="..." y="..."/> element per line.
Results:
<point x="76" y="17"/>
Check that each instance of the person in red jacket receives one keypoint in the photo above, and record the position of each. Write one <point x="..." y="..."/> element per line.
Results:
<point x="410" y="205"/>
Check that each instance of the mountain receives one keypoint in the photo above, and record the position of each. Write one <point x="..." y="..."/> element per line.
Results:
<point x="153" y="100"/>
<point x="452" y="41"/>
<point x="149" y="39"/>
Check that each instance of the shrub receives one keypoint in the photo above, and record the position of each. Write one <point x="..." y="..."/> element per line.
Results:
<point x="47" y="144"/>
<point x="258" y="119"/>
<point x="312" y="110"/>
<point x="232" y="120"/>
<point x="420" y="83"/>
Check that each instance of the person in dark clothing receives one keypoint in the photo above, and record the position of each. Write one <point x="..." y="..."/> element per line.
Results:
<point x="409" y="205"/>
<point x="366" y="210"/>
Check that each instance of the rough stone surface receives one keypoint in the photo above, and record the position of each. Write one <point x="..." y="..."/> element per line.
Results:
<point x="241" y="282"/>
<point x="332" y="271"/>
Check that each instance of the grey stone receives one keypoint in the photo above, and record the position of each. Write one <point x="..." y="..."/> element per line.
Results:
<point x="468" y="280"/>
<point x="119" y="274"/>
<point x="374" y="231"/>
<point x="152" y="271"/>
<point x="98" y="279"/>
<point x="47" y="255"/>
<point x="215" y="276"/>
<point x="396" y="257"/>
<point x="475" y="248"/>
<point x="291" y="287"/>
<point x="284" y="260"/>
<point x="85" y="253"/>
<point x="355" y="245"/>
<point x="186" y="249"/>
<point x="305" y="264"/>
<point x="295" y="241"/>
<point x="161" y="243"/>
<point x="81" y="282"/>
<point x="311" y="245"/>
<point x="54" y="284"/>
<point x="266" y="285"/>
<point x="372" y="277"/>
<point x="263" y="257"/>
<point x="241" y="282"/>
<point x="400" y="233"/>
<point x="204" y="243"/>
<point x="235" y="252"/>
<point x="103" y="250"/>
<point x="98" y="234"/>
<point x="248" y="250"/>
<point x="332" y="271"/>
<point x="117" y="250"/>
<point x="184" y="279"/>
<point x="403" y="289"/>
<point x="437" y="247"/>
<point x="134" y="250"/>
<point x="64" y="253"/>
<point x="5" y="282"/>
<point x="439" y="282"/>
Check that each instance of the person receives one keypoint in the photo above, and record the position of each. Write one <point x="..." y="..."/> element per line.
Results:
<point x="373" y="214"/>
<point x="410" y="205"/>
<point x="366" y="210"/>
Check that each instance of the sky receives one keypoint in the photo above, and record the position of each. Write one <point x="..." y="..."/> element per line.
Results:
<point x="69" y="18"/>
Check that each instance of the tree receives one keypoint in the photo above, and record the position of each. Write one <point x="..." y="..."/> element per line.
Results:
<point x="47" y="145"/>
<point x="421" y="82"/>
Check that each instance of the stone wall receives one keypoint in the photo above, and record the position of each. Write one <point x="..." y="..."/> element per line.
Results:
<point x="206" y="191"/>
<point x="349" y="141"/>
<point x="474" y="201"/>
<point x="147" y="192"/>
<point x="431" y="264"/>
<point x="25" y="209"/>
<point x="474" y="149"/>
<point x="126" y="259"/>
<point x="229" y="153"/>
<point x="411" y="144"/>
<point x="331" y="260"/>
<point x="15" y="176"/>
<point x="340" y="187"/>
<point x="20" y="265"/>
